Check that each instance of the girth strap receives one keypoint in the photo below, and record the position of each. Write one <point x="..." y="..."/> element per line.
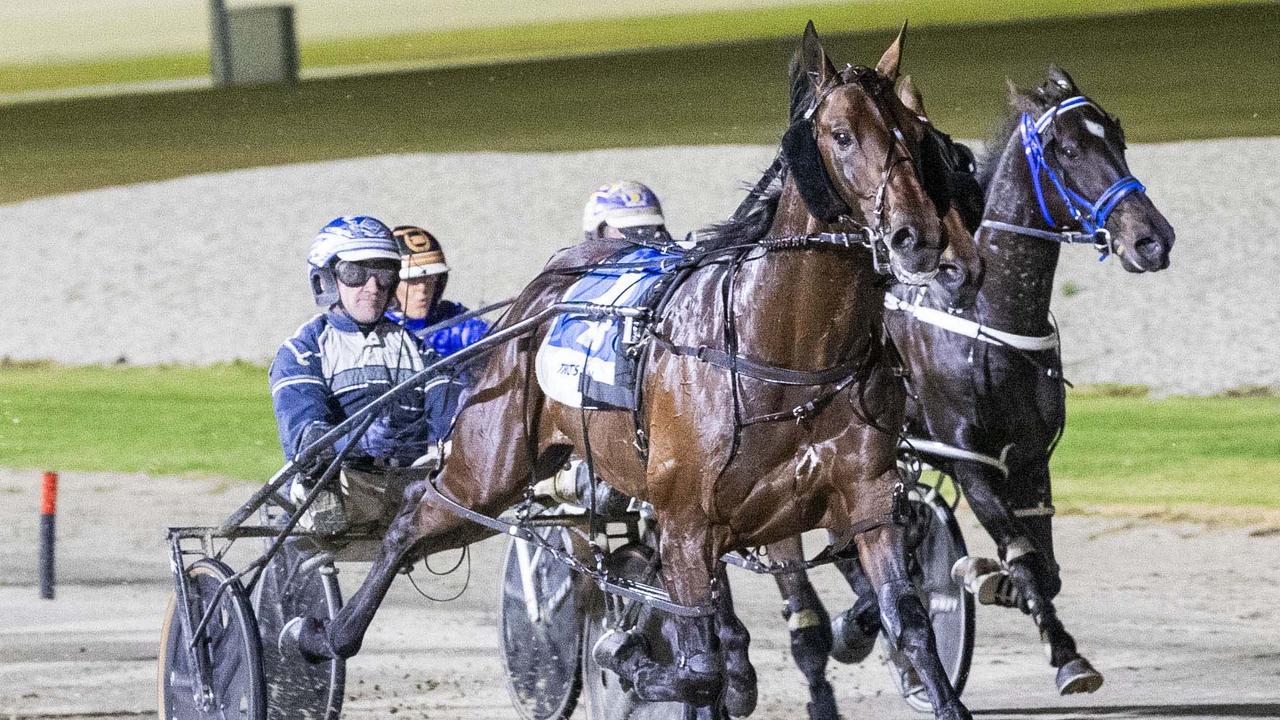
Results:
<point x="759" y="371"/>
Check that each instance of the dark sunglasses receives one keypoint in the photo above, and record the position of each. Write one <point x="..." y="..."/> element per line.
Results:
<point x="356" y="275"/>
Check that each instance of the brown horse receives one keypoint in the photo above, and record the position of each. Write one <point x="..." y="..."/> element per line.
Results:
<point x="766" y="408"/>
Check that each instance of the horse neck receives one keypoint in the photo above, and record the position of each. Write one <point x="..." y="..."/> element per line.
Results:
<point x="1017" y="284"/>
<point x="805" y="309"/>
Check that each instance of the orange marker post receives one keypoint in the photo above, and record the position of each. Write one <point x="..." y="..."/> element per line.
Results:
<point x="48" y="514"/>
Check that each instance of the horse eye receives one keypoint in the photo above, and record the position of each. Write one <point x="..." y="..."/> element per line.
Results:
<point x="843" y="138"/>
<point x="1070" y="151"/>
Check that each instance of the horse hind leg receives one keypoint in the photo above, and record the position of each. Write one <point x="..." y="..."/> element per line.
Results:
<point x="809" y="627"/>
<point x="316" y="639"/>
<point x="882" y="551"/>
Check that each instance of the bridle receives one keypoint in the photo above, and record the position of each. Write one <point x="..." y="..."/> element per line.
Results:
<point x="1089" y="216"/>
<point x="871" y="234"/>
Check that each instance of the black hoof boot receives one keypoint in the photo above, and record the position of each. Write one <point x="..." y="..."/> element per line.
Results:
<point x="740" y="690"/>
<point x="822" y="704"/>
<point x="304" y="637"/>
<point x="853" y="634"/>
<point x="615" y="648"/>
<point x="1078" y="676"/>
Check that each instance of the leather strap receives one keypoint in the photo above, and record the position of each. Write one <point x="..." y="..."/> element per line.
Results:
<point x="752" y="369"/>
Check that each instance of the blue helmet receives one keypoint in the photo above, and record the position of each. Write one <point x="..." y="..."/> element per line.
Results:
<point x="351" y="238"/>
<point x="623" y="204"/>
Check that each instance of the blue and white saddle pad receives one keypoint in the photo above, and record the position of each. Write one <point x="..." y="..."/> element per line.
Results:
<point x="581" y="362"/>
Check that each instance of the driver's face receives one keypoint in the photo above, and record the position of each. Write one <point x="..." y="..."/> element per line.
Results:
<point x="415" y="295"/>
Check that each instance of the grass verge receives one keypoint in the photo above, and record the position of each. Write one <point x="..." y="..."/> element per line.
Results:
<point x="1179" y="74"/>
<point x="1121" y="448"/>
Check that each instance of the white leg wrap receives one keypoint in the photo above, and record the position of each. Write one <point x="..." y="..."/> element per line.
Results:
<point x="1016" y="549"/>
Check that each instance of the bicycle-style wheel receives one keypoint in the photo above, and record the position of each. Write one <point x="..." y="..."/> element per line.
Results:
<point x="541" y="627"/>
<point x="939" y="545"/>
<point x="228" y="645"/>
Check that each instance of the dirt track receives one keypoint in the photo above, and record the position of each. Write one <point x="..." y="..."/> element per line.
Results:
<point x="1145" y="600"/>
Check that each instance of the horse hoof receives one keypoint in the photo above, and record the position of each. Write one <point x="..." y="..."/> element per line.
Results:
<point x="823" y="706"/>
<point x="291" y="644"/>
<point x="612" y="649"/>
<point x="740" y="693"/>
<point x="1078" y="676"/>
<point x="850" y="642"/>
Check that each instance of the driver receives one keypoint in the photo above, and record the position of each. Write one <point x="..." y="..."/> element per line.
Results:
<point x="419" y="304"/>
<point x="346" y="357"/>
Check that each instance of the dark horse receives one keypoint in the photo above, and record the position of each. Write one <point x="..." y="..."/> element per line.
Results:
<point x="766" y="406"/>
<point x="986" y="396"/>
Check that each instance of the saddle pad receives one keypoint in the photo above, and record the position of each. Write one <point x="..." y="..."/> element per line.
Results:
<point x="580" y="362"/>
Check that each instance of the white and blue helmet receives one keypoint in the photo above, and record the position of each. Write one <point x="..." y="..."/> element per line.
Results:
<point x="622" y="204"/>
<point x="351" y="238"/>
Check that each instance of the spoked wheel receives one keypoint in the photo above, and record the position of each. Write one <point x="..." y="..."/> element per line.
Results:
<point x="541" y="628"/>
<point x="606" y="698"/>
<point x="937" y="544"/>
<point x="290" y="588"/>
<point x="228" y="644"/>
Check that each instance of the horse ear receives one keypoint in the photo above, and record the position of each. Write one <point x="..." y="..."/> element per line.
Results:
<point x="814" y="62"/>
<point x="892" y="58"/>
<point x="910" y="96"/>
<point x="1018" y="100"/>
<point x="1059" y="77"/>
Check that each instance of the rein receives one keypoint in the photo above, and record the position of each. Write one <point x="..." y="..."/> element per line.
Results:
<point x="1090" y="216"/>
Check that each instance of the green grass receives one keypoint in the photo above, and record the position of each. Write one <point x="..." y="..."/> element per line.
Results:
<point x="1191" y="73"/>
<point x="1222" y="452"/>
<point x="558" y="39"/>
<point x="1120" y="447"/>
<point x="164" y="420"/>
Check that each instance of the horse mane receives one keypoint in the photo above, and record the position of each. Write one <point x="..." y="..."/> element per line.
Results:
<point x="747" y="228"/>
<point x="1048" y="94"/>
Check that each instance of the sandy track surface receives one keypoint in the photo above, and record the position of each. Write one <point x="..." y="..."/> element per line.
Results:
<point x="1146" y="601"/>
<point x="210" y="267"/>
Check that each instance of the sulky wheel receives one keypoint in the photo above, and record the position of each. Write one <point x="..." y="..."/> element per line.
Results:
<point x="290" y="587"/>
<point x="541" y="628"/>
<point x="228" y="645"/>
<point x="937" y="544"/>
<point x="606" y="697"/>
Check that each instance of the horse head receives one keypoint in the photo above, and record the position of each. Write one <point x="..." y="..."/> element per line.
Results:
<point x="1081" y="149"/>
<point x="857" y="157"/>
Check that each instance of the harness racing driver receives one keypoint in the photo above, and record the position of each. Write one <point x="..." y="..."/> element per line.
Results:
<point x="346" y="357"/>
<point x="423" y="276"/>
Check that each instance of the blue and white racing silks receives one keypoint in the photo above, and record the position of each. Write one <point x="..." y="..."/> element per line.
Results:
<point x="449" y="340"/>
<point x="330" y="369"/>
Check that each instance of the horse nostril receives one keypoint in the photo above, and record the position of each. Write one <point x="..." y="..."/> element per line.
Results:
<point x="1149" y="248"/>
<point x="905" y="239"/>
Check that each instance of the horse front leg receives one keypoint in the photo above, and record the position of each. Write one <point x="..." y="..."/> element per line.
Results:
<point x="740" y="677"/>
<point x="697" y="675"/>
<point x="1031" y="579"/>
<point x="883" y="554"/>
<point x="809" y="626"/>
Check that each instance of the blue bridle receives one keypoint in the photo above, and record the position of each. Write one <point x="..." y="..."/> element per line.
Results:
<point x="1091" y="216"/>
